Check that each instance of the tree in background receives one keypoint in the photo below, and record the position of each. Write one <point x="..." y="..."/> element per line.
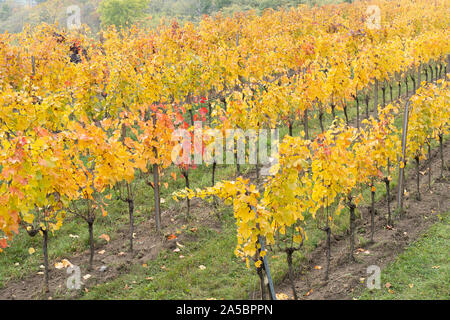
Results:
<point x="121" y="12"/>
<point x="5" y="11"/>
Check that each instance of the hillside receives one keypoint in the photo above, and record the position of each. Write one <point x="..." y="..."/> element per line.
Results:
<point x="14" y="14"/>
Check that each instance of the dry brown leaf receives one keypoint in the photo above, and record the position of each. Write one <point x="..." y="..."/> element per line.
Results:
<point x="308" y="293"/>
<point x="105" y="237"/>
<point x="87" y="277"/>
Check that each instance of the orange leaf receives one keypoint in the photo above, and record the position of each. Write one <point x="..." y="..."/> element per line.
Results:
<point x="308" y="293"/>
<point x="105" y="237"/>
<point x="171" y="237"/>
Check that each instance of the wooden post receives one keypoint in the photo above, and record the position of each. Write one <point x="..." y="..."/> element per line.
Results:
<point x="156" y="185"/>
<point x="375" y="103"/>
<point x="33" y="66"/>
<point x="402" y="159"/>
<point x="267" y="269"/>
<point x="266" y="266"/>
<point x="419" y="75"/>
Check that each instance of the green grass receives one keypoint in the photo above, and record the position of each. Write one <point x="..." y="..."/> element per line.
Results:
<point x="422" y="272"/>
<point x="16" y="262"/>
<point x="225" y="275"/>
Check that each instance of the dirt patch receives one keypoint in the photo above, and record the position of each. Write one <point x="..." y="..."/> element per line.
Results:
<point x="113" y="259"/>
<point x="345" y="276"/>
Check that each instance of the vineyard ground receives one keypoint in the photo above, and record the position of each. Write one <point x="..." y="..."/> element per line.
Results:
<point x="348" y="279"/>
<point x="167" y="276"/>
<point x="422" y="271"/>
<point x="154" y="271"/>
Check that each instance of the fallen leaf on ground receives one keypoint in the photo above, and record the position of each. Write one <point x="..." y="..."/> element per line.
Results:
<point x="282" y="296"/>
<point x="308" y="293"/>
<point x="171" y="237"/>
<point x="105" y="237"/>
<point x="87" y="276"/>
<point x="63" y="264"/>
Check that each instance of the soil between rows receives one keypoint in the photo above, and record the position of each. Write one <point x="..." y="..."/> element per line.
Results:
<point x="346" y="277"/>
